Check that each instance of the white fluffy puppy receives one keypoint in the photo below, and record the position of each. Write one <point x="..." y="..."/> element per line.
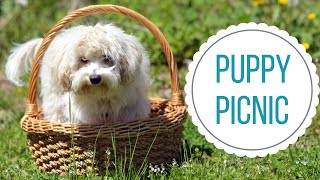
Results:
<point x="102" y="72"/>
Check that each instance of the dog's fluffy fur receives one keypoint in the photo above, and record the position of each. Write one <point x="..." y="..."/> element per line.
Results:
<point x="68" y="65"/>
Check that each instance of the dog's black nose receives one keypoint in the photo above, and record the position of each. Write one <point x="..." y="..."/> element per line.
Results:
<point x="95" y="79"/>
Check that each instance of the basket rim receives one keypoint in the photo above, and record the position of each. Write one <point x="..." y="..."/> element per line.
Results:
<point x="172" y="117"/>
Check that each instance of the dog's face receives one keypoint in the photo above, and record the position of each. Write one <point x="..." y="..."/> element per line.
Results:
<point x="99" y="59"/>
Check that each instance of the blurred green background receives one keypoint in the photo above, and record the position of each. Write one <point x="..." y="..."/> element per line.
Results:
<point x="186" y="24"/>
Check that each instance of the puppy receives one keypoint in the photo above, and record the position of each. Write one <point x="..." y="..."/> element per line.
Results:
<point x="89" y="75"/>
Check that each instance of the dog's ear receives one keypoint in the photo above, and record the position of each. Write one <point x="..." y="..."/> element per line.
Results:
<point x="63" y="70"/>
<point x="133" y="58"/>
<point x="64" y="79"/>
<point x="127" y="71"/>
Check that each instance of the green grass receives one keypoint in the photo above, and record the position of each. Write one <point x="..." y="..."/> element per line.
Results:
<point x="186" y="24"/>
<point x="204" y="161"/>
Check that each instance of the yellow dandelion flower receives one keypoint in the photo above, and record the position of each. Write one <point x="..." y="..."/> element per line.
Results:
<point x="258" y="2"/>
<point x="283" y="2"/>
<point x="311" y="16"/>
<point x="306" y="45"/>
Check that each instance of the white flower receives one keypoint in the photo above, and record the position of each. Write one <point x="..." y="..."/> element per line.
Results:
<point x="174" y="162"/>
<point x="225" y="161"/>
<point x="156" y="169"/>
<point x="185" y="165"/>
<point x="22" y="3"/>
<point x="162" y="170"/>
<point x="90" y="154"/>
<point x="108" y="152"/>
<point x="151" y="168"/>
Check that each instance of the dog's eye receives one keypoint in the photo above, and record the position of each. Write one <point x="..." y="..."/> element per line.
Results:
<point x="107" y="59"/>
<point x="83" y="59"/>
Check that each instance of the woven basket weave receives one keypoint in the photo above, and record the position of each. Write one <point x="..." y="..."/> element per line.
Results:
<point x="60" y="147"/>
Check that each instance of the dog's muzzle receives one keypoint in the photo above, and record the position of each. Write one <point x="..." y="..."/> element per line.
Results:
<point x="95" y="79"/>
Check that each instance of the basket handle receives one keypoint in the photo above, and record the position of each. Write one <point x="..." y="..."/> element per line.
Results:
<point x="177" y="95"/>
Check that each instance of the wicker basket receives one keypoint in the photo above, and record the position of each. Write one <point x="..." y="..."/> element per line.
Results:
<point x="59" y="148"/>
